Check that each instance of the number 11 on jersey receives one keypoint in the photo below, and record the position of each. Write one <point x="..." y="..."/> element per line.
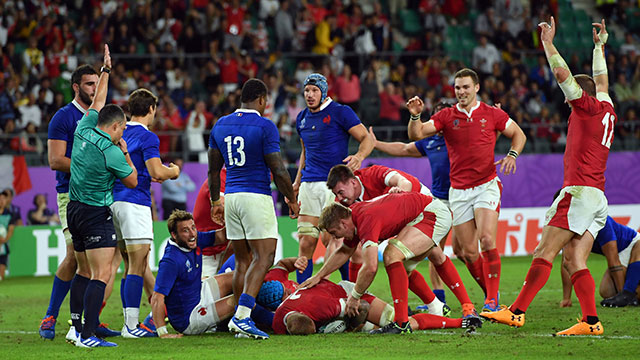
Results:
<point x="237" y="141"/>
<point x="608" y="129"/>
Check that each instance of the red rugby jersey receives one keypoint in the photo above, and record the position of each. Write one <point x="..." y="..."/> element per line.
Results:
<point x="374" y="178"/>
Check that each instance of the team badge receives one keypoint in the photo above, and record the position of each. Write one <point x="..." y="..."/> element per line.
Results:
<point x="239" y="114"/>
<point x="456" y="124"/>
<point x="483" y="123"/>
<point x="327" y="119"/>
<point x="188" y="264"/>
<point x="303" y="122"/>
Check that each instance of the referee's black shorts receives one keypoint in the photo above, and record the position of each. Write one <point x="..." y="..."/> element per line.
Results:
<point x="91" y="227"/>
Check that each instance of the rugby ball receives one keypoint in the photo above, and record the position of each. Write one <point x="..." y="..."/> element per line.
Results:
<point x="333" y="327"/>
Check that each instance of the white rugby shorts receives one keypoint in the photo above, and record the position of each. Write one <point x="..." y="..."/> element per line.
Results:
<point x="463" y="202"/>
<point x="313" y="197"/>
<point x="210" y="264"/>
<point x="250" y="216"/>
<point x="133" y="223"/>
<point x="578" y="209"/>
<point x="625" y="255"/>
<point x="63" y="201"/>
<point x="204" y="316"/>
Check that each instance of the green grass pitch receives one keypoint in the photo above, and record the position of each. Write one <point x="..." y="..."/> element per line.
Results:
<point x="23" y="302"/>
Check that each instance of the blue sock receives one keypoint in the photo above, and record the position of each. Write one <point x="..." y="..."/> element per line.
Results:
<point x="302" y="276"/>
<point x="247" y="300"/>
<point x="439" y="294"/>
<point x="123" y="281"/>
<point x="262" y="316"/>
<point x="58" y="293"/>
<point x="133" y="290"/>
<point x="92" y="303"/>
<point x="344" y="271"/>
<point x="76" y="301"/>
<point x="633" y="277"/>
<point x="229" y="264"/>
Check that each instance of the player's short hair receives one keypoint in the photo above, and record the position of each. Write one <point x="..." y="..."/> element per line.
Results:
<point x="140" y="101"/>
<point x="175" y="217"/>
<point x="270" y="294"/>
<point x="109" y="114"/>
<point x="339" y="173"/>
<point x="252" y="90"/>
<point x="300" y="324"/>
<point x="332" y="214"/>
<point x="439" y="106"/>
<point x="467" y="72"/>
<point x="86" y="69"/>
<point x="586" y="83"/>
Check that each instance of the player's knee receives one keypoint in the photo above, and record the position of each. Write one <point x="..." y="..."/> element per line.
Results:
<point x="391" y="255"/>
<point x="437" y="256"/>
<point x="486" y="241"/>
<point x="307" y="229"/>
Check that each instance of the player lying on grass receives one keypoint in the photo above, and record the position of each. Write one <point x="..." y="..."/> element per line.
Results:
<point x="373" y="181"/>
<point x="407" y="216"/>
<point x="619" y="285"/>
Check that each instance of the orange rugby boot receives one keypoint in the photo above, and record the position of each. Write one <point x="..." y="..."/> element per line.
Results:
<point x="582" y="328"/>
<point x="504" y="316"/>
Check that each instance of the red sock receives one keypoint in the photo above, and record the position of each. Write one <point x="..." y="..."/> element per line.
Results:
<point x="354" y="268"/>
<point x="104" y="303"/>
<point x="536" y="278"/>
<point x="419" y="286"/>
<point x="399" y="284"/>
<point x="585" y="291"/>
<point x="428" y="321"/>
<point x="475" y="268"/>
<point x="491" y="270"/>
<point x="451" y="278"/>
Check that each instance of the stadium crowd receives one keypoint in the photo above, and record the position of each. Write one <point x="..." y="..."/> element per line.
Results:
<point x="194" y="55"/>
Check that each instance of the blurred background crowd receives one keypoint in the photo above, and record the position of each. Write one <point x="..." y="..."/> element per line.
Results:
<point x="196" y="54"/>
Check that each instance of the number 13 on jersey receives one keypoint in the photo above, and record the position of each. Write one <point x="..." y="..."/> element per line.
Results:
<point x="238" y="143"/>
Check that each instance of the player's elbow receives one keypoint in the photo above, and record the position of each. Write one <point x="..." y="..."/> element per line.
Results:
<point x="561" y="74"/>
<point x="131" y="181"/>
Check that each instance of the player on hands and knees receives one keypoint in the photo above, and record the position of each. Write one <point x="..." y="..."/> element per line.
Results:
<point x="249" y="146"/>
<point x="324" y="128"/>
<point x="132" y="207"/>
<point x="469" y="131"/>
<point x="580" y="210"/>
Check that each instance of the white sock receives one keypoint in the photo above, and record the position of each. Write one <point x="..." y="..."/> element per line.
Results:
<point x="242" y="312"/>
<point x="435" y="307"/>
<point x="131" y="317"/>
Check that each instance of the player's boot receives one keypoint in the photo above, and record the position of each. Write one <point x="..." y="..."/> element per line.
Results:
<point x="103" y="331"/>
<point x="72" y="336"/>
<point x="393" y="328"/>
<point x="582" y="328"/>
<point x="149" y="323"/>
<point x="471" y="323"/>
<point x="93" y="341"/>
<point x="504" y="316"/>
<point x="490" y="305"/>
<point x="621" y="299"/>
<point x="248" y="327"/>
<point x="468" y="310"/>
<point x="48" y="327"/>
<point x="136" y="333"/>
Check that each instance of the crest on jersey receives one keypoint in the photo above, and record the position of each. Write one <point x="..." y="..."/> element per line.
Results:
<point x="327" y="119"/>
<point x="456" y="124"/>
<point x="483" y="123"/>
<point x="239" y="114"/>
<point x="302" y="122"/>
<point x="188" y="264"/>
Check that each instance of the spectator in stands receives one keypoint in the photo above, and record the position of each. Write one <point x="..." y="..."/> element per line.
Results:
<point x="434" y="21"/>
<point x="30" y="113"/>
<point x="194" y="132"/>
<point x="370" y="98"/>
<point x="13" y="209"/>
<point x="284" y="26"/>
<point x="484" y="56"/>
<point x="174" y="192"/>
<point x="33" y="59"/>
<point x="347" y="88"/>
<point x="234" y="30"/>
<point x="7" y="224"/>
<point x="41" y="214"/>
<point x="486" y="23"/>
<point x="325" y="40"/>
<point x="391" y="102"/>
<point x="630" y="46"/>
<point x="624" y="93"/>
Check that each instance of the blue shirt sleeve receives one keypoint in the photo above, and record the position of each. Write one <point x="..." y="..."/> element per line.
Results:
<point x="59" y="126"/>
<point x="421" y="145"/>
<point x="206" y="238"/>
<point x="151" y="147"/>
<point x="270" y="138"/>
<point x="167" y="274"/>
<point x="607" y="233"/>
<point x="349" y="118"/>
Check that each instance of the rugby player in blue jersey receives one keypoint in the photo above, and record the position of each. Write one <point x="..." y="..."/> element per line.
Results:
<point x="59" y="145"/>
<point x="132" y="207"/>
<point x="324" y="128"/>
<point x="620" y="246"/>
<point x="249" y="146"/>
<point x="435" y="149"/>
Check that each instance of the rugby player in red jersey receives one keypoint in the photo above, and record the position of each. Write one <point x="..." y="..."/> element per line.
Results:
<point x="470" y="131"/>
<point x="408" y="216"/>
<point x="580" y="210"/>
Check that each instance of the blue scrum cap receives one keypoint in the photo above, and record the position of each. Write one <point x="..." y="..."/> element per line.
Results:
<point x="318" y="80"/>
<point x="270" y="295"/>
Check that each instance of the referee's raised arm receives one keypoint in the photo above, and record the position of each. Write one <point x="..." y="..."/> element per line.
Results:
<point x="102" y="88"/>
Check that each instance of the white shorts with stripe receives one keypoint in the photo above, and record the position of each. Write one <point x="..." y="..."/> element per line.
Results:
<point x="204" y="316"/>
<point x="578" y="209"/>
<point x="133" y="223"/>
<point x="443" y="216"/>
<point x="63" y="201"/>
<point x="313" y="197"/>
<point x="250" y="216"/>
<point x="463" y="202"/>
<point x="625" y="255"/>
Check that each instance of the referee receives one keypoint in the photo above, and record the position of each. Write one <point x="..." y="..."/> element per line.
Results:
<point x="98" y="158"/>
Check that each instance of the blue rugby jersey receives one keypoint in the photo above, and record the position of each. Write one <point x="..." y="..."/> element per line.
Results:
<point x="612" y="231"/>
<point x="326" y="138"/>
<point x="435" y="149"/>
<point x="142" y="145"/>
<point x="179" y="280"/>
<point x="62" y="127"/>
<point x="244" y="138"/>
